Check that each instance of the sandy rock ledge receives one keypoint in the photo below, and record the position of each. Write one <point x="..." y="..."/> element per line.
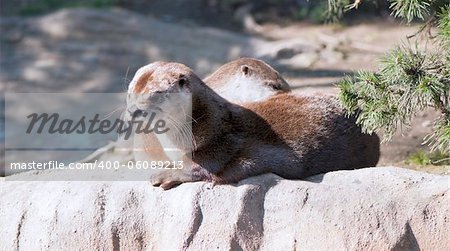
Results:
<point x="369" y="209"/>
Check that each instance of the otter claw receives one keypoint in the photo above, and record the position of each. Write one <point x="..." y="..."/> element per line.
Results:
<point x="170" y="184"/>
<point x="156" y="184"/>
<point x="166" y="185"/>
<point x="164" y="181"/>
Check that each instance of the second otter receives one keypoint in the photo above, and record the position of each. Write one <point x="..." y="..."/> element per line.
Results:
<point x="293" y="137"/>
<point x="247" y="80"/>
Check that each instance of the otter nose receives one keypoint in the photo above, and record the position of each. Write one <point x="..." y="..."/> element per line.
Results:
<point x="138" y="113"/>
<point x="135" y="111"/>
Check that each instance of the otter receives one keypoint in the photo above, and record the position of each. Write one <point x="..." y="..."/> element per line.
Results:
<point x="238" y="81"/>
<point x="247" y="80"/>
<point x="291" y="136"/>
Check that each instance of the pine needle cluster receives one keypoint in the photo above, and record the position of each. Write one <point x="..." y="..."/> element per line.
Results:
<point x="409" y="80"/>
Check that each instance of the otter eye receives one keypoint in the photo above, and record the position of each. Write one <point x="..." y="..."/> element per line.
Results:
<point x="275" y="86"/>
<point x="182" y="82"/>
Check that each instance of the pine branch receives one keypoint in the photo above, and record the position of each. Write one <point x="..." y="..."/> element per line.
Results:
<point x="409" y="80"/>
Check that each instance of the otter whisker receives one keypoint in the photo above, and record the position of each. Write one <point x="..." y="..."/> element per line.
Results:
<point x="184" y="135"/>
<point x="187" y="115"/>
<point x="126" y="80"/>
<point x="180" y="135"/>
<point x="122" y="107"/>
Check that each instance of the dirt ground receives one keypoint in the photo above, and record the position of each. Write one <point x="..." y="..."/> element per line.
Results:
<point x="81" y="50"/>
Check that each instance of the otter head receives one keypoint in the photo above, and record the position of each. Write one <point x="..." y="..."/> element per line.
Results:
<point x="161" y="87"/>
<point x="161" y="92"/>
<point x="247" y="80"/>
<point x="258" y="69"/>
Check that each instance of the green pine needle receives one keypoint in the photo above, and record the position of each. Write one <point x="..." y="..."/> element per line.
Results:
<point x="410" y="9"/>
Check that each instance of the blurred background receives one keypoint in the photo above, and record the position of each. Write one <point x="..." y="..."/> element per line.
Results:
<point x="96" y="46"/>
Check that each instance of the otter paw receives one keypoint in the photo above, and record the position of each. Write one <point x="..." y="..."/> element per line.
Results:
<point x="166" y="179"/>
<point x="170" y="184"/>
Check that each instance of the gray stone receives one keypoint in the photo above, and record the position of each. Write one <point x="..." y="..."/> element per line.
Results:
<point x="367" y="209"/>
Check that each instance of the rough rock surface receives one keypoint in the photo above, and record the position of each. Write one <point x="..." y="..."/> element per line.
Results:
<point x="366" y="209"/>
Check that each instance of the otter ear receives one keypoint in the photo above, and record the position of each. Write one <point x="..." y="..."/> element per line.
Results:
<point x="275" y="86"/>
<point x="245" y="69"/>
<point x="142" y="77"/>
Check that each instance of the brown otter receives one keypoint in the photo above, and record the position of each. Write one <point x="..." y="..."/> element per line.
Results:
<point x="291" y="136"/>
<point x="238" y="81"/>
<point x="247" y="80"/>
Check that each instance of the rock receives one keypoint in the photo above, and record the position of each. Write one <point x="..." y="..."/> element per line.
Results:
<point x="285" y="53"/>
<point x="287" y="48"/>
<point x="120" y="151"/>
<point x="244" y="17"/>
<point x="366" y="209"/>
<point x="303" y="60"/>
<point x="332" y="56"/>
<point x="11" y="30"/>
<point x="426" y="124"/>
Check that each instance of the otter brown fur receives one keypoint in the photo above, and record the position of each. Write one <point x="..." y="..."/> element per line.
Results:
<point x="238" y="81"/>
<point x="247" y="80"/>
<point x="291" y="136"/>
